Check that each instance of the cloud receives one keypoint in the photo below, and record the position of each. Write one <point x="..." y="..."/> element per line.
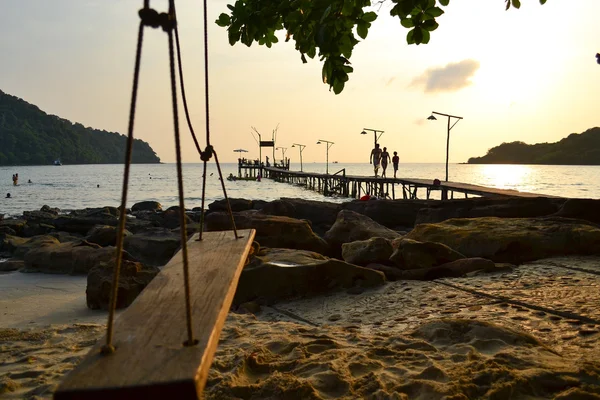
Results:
<point x="450" y="78"/>
<point x="389" y="82"/>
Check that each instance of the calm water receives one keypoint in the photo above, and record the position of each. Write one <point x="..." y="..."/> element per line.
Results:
<point x="75" y="186"/>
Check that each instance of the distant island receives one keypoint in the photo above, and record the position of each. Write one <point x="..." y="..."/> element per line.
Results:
<point x="576" y="149"/>
<point x="29" y="136"/>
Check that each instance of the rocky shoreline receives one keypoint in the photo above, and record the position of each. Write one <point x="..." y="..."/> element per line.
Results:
<point x="309" y="251"/>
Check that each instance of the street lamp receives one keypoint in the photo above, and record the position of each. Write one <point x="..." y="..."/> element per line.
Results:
<point x="329" y="144"/>
<point x="301" y="147"/>
<point x="375" y="136"/>
<point x="433" y="118"/>
<point x="283" y="149"/>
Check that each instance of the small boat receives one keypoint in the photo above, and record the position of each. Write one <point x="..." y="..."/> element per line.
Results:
<point x="335" y="162"/>
<point x="57" y="162"/>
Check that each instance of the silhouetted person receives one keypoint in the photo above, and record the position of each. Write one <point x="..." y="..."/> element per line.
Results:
<point x="395" y="162"/>
<point x="385" y="158"/>
<point x="375" y="158"/>
<point x="8" y="195"/>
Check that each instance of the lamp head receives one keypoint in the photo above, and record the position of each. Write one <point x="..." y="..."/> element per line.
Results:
<point x="293" y="145"/>
<point x="363" y="133"/>
<point x="319" y="142"/>
<point x="432" y="117"/>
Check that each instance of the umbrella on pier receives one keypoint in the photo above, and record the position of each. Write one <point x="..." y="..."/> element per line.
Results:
<point x="240" y="151"/>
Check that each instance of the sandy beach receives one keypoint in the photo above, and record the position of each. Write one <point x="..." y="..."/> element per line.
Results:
<point x="525" y="333"/>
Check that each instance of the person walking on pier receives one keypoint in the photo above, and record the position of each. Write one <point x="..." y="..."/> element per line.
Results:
<point x="375" y="158"/>
<point x="395" y="161"/>
<point x="385" y="158"/>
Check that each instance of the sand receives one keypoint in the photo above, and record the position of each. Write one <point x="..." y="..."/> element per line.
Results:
<point x="523" y="334"/>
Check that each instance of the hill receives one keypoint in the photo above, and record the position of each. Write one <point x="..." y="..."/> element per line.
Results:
<point x="29" y="136"/>
<point x="576" y="149"/>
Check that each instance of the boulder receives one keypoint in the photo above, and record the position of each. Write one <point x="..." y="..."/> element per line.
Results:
<point x="351" y="226"/>
<point x="82" y="225"/>
<point x="147" y="206"/>
<point x="39" y="217"/>
<point x="11" y="265"/>
<point x="412" y="254"/>
<point x="321" y="214"/>
<point x="17" y="225"/>
<point x="48" y="209"/>
<point x="587" y="209"/>
<point x="271" y="230"/>
<point x="394" y="214"/>
<point x="169" y="219"/>
<point x="68" y="258"/>
<point x="154" y="246"/>
<point x="513" y="240"/>
<point x="363" y="252"/>
<point x="6" y="230"/>
<point x="236" y="205"/>
<point x="105" y="235"/>
<point x="63" y="237"/>
<point x="515" y="207"/>
<point x="454" y="269"/>
<point x="133" y="278"/>
<point x="18" y="246"/>
<point x="276" y="274"/>
<point x="34" y="229"/>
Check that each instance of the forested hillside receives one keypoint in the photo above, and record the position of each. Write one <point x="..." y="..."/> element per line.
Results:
<point x="576" y="149"/>
<point x="29" y="136"/>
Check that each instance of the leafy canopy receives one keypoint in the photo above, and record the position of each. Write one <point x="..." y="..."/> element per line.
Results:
<point x="328" y="27"/>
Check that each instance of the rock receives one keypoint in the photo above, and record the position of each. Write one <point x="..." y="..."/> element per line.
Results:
<point x="351" y="226"/>
<point x="516" y="207"/>
<point x="169" y="219"/>
<point x="11" y="265"/>
<point x="20" y="246"/>
<point x="513" y="240"/>
<point x="134" y="277"/>
<point x="33" y="229"/>
<point x="68" y="258"/>
<point x="251" y="307"/>
<point x="6" y="230"/>
<point x="63" y="237"/>
<point x="394" y="214"/>
<point x="105" y="235"/>
<point x="277" y="274"/>
<point x="321" y="214"/>
<point x="16" y="225"/>
<point x="412" y="254"/>
<point x="154" y="246"/>
<point x="39" y="217"/>
<point x="82" y="225"/>
<point x="236" y="205"/>
<point x="147" y="206"/>
<point x="452" y="269"/>
<point x="363" y="252"/>
<point x="271" y="230"/>
<point x="52" y="210"/>
<point x="587" y="209"/>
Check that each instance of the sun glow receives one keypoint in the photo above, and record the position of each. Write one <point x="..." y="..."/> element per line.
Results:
<point x="505" y="176"/>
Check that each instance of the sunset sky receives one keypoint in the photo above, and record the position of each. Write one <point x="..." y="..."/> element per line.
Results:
<point x="527" y="74"/>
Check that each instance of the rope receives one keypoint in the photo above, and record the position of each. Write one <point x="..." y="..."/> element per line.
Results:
<point x="108" y="347"/>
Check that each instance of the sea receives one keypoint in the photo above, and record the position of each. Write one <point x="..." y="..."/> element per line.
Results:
<point x="70" y="187"/>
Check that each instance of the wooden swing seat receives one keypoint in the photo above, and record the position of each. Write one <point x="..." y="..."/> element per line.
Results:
<point x="150" y="361"/>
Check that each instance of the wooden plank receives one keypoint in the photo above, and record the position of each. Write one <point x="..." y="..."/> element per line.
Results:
<point x="150" y="361"/>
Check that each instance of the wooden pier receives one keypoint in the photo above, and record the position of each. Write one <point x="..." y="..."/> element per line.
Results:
<point x="342" y="185"/>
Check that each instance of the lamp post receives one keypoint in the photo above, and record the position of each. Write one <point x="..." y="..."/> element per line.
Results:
<point x="433" y="118"/>
<point x="301" y="147"/>
<point x="283" y="149"/>
<point x="329" y="144"/>
<point x="375" y="132"/>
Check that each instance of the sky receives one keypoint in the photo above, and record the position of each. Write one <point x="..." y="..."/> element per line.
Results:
<point x="527" y="74"/>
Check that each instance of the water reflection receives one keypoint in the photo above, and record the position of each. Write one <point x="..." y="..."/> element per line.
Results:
<point x="506" y="176"/>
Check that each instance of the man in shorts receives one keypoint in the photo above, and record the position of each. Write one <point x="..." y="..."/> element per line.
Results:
<point x="395" y="161"/>
<point x="375" y="158"/>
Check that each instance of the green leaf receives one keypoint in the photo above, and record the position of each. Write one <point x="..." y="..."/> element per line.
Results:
<point x="516" y="3"/>
<point x="542" y="2"/>
<point x="430" y="25"/>
<point x="223" y="20"/>
<point x="426" y="36"/>
<point x="234" y="36"/>
<point x="303" y="58"/>
<point x="362" y="28"/>
<point x="446" y="2"/>
<point x="418" y="35"/>
<point x="434" y="11"/>
<point x="326" y="13"/>
<point x="407" y="22"/>
<point x="338" y="86"/>
<point x="410" y="37"/>
<point x="369" y="17"/>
